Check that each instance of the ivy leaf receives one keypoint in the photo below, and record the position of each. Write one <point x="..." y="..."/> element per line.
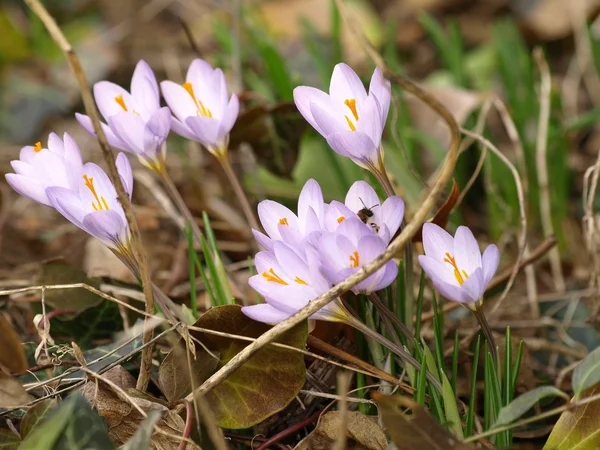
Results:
<point x="525" y="402"/>
<point x="141" y="439"/>
<point x="36" y="415"/>
<point x="587" y="372"/>
<point x="12" y="393"/>
<point x="266" y="383"/>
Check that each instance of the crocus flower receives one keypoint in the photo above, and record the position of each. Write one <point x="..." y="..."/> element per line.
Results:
<point x="348" y="249"/>
<point x="203" y="110"/>
<point x="39" y="168"/>
<point x="384" y="218"/>
<point x="281" y="224"/>
<point x="289" y="282"/>
<point x="456" y="266"/>
<point x="136" y="122"/>
<point x="351" y="120"/>
<point x="94" y="206"/>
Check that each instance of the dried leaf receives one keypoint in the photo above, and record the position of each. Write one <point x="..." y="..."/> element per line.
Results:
<point x="174" y="373"/>
<point x="74" y="425"/>
<point x="363" y="433"/>
<point x="11" y="392"/>
<point x="416" y="431"/>
<point x="441" y="216"/>
<point x="266" y="383"/>
<point x="12" y="356"/>
<point x="37" y="415"/>
<point x="141" y="439"/>
<point x="578" y="427"/>
<point x="9" y="440"/>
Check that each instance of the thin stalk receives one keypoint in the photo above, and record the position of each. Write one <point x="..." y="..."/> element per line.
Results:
<point x="487" y="331"/>
<point x="239" y="192"/>
<point x="167" y="182"/>
<point x="389" y="318"/>
<point x="473" y="390"/>
<point x="398" y="351"/>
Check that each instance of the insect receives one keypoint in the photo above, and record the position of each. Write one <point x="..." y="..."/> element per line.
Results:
<point x="365" y="214"/>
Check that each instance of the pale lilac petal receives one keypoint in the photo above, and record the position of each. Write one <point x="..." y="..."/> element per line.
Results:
<point x="68" y="204"/>
<point x="370" y="121"/>
<point x="28" y="187"/>
<point x="265" y="313"/>
<point x="345" y="84"/>
<point x="27" y="154"/>
<point x="304" y="97"/>
<point x="108" y="226"/>
<point x="263" y="240"/>
<point x="473" y="286"/>
<point x="392" y="213"/>
<point x="179" y="100"/>
<point x="106" y="94"/>
<point x="230" y="115"/>
<point x="353" y="229"/>
<point x="382" y="90"/>
<point x="23" y="168"/>
<point x="52" y="169"/>
<point x="311" y="223"/>
<point x="311" y="196"/>
<point x="271" y="213"/>
<point x="438" y="270"/>
<point x="466" y="250"/>
<point x="103" y="188"/>
<point x="264" y="261"/>
<point x="144" y="87"/>
<point x="290" y="236"/>
<point x="362" y="195"/>
<point x="326" y="122"/>
<point x="294" y="266"/>
<point x="451" y="292"/>
<point x="132" y="130"/>
<point x="369" y="248"/>
<point x="335" y="213"/>
<point x="355" y="145"/>
<point x="182" y="129"/>
<point x="437" y="241"/>
<point x="160" y="124"/>
<point x="199" y="70"/>
<point x="55" y="143"/>
<point x="111" y="137"/>
<point x="489" y="263"/>
<point x="205" y="129"/>
<point x="390" y="274"/>
<point x="124" y="169"/>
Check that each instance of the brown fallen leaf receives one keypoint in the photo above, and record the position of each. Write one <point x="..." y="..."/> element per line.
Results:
<point x="441" y="216"/>
<point x="363" y="433"/>
<point x="11" y="392"/>
<point x="418" y="430"/>
<point x="12" y="356"/>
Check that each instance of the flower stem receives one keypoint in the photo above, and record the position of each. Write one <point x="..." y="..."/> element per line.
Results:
<point x="180" y="203"/>
<point x="487" y="331"/>
<point x="239" y="192"/>
<point x="396" y="349"/>
<point x="390" y="318"/>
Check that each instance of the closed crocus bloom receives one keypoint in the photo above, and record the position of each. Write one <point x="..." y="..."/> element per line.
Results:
<point x="136" y="122"/>
<point x="39" y="168"/>
<point x="383" y="218"/>
<point x="281" y="224"/>
<point x="351" y="120"/>
<point x="348" y="249"/>
<point x="203" y="110"/>
<point x="456" y="266"/>
<point x="288" y="282"/>
<point x="94" y="206"/>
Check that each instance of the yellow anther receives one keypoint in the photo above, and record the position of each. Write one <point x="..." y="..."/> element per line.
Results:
<point x="460" y="275"/>
<point x="121" y="102"/>
<point x="100" y="204"/>
<point x="300" y="281"/>
<point x="37" y="147"/>
<point x="283" y="221"/>
<point x="273" y="277"/>
<point x="350" y="124"/>
<point x="351" y="103"/>
<point x="201" y="109"/>
<point x="354" y="259"/>
<point x="341" y="219"/>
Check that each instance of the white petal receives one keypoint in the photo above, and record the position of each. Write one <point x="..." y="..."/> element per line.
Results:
<point x="466" y="250"/>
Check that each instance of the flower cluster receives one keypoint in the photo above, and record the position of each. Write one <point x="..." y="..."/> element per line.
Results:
<point x="56" y="176"/>
<point x="322" y="245"/>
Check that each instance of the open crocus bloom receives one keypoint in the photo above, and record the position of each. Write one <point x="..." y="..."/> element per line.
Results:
<point x="136" y="122"/>
<point x="203" y="110"/>
<point x="39" y="168"/>
<point x="348" y="249"/>
<point x="289" y="282"/>
<point x="281" y="224"/>
<point x="351" y="120"/>
<point x="94" y="206"/>
<point x="455" y="264"/>
<point x="383" y="218"/>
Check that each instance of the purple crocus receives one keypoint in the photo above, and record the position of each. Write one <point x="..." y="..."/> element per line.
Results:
<point x="94" y="206"/>
<point x="348" y="249"/>
<point x="351" y="120"/>
<point x="456" y="266"/>
<point x="288" y="283"/>
<point x="203" y="110"/>
<point x="281" y="224"/>
<point x="136" y="122"/>
<point x="39" y="168"/>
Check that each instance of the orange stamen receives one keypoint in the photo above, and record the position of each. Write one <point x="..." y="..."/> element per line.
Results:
<point x="300" y="281"/>
<point x="272" y="276"/>
<point x="460" y="275"/>
<point x="100" y="203"/>
<point x="201" y="109"/>
<point x="351" y="103"/>
<point x="37" y="147"/>
<point x="354" y="259"/>
<point x="341" y="219"/>
<point x="283" y="221"/>
<point x="121" y="102"/>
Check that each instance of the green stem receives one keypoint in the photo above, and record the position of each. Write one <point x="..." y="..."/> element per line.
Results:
<point x="390" y="319"/>
<point x="487" y="331"/>
<point x="239" y="192"/>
